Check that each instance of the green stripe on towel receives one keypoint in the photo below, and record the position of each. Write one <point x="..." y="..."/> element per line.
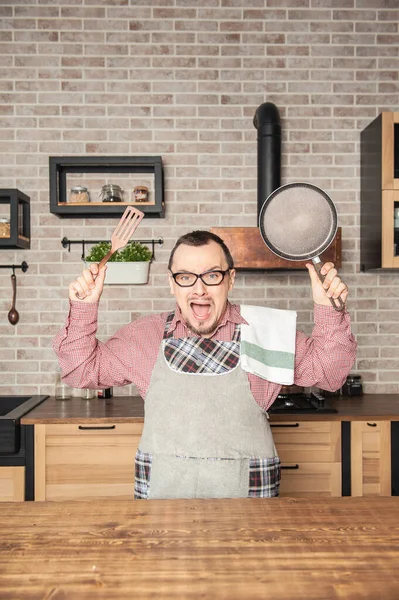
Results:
<point x="271" y="358"/>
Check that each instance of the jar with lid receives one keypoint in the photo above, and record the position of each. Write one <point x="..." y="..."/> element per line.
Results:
<point x="79" y="193"/>
<point x="140" y="193"/>
<point x="111" y="192"/>
<point x="5" y="228"/>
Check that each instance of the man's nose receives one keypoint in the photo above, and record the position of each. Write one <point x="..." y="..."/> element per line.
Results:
<point x="199" y="287"/>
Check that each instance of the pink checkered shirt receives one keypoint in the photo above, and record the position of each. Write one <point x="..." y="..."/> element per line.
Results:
<point x="323" y="359"/>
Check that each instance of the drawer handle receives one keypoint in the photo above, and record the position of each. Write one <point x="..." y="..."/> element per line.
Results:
<point x="292" y="467"/>
<point x="284" y="425"/>
<point x="372" y="424"/>
<point x="96" y="427"/>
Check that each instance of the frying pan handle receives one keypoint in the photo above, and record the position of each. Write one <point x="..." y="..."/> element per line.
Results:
<point x="337" y="303"/>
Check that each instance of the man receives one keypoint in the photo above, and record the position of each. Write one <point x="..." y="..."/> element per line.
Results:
<point x="206" y="432"/>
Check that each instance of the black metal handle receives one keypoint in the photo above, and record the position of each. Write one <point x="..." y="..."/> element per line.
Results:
<point x="96" y="427"/>
<point x="292" y="467"/>
<point x="24" y="266"/>
<point x="372" y="424"/>
<point x="284" y="425"/>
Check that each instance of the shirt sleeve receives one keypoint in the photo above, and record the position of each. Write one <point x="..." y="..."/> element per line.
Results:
<point x="127" y="357"/>
<point x="325" y="358"/>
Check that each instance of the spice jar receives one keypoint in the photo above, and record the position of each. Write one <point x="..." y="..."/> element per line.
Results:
<point x="140" y="193"/>
<point x="79" y="194"/>
<point x="5" y="229"/>
<point x="111" y="192"/>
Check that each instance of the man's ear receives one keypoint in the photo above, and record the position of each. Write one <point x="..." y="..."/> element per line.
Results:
<point x="171" y="284"/>
<point x="232" y="279"/>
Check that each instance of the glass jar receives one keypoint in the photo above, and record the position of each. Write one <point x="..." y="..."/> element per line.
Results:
<point x="88" y="394"/>
<point x="79" y="194"/>
<point x="62" y="391"/>
<point x="140" y="193"/>
<point x="5" y="228"/>
<point x="111" y="192"/>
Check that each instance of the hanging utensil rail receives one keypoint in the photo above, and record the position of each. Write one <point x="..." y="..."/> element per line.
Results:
<point x="66" y="243"/>
<point x="24" y="266"/>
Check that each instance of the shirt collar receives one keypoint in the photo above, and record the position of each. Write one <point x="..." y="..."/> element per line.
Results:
<point x="231" y="314"/>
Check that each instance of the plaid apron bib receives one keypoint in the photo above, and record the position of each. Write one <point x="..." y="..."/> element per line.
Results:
<point x="204" y="435"/>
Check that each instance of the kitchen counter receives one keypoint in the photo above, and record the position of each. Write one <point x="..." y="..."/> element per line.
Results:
<point x="130" y="409"/>
<point x="282" y="548"/>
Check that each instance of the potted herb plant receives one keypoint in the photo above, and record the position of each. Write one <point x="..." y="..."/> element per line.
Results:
<point x="131" y="264"/>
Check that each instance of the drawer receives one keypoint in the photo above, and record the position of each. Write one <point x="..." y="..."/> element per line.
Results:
<point x="308" y="441"/>
<point x="85" y="461"/>
<point x="311" y="479"/>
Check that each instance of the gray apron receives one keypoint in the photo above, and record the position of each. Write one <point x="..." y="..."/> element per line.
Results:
<point x="204" y="434"/>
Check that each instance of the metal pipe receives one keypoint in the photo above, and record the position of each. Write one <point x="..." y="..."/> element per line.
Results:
<point x="267" y="122"/>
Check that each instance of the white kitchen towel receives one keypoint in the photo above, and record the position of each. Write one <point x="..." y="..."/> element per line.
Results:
<point x="268" y="343"/>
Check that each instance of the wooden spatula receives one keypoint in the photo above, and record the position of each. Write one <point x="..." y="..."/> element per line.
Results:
<point x="128" y="224"/>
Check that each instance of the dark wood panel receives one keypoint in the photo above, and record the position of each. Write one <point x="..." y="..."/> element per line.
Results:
<point x="370" y="196"/>
<point x="249" y="251"/>
<point x="170" y="549"/>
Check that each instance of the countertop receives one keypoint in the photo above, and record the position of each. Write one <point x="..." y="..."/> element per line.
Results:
<point x="280" y="548"/>
<point x="130" y="409"/>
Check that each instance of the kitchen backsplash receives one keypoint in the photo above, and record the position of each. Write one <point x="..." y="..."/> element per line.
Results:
<point x="182" y="79"/>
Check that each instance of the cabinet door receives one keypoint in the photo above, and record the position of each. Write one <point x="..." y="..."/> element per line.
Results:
<point x="12" y="484"/>
<point x="370" y="458"/>
<point x="390" y="229"/>
<point x="85" y="461"/>
<point x="310" y="454"/>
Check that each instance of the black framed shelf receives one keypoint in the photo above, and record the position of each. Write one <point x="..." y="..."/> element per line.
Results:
<point x="15" y="208"/>
<point x="94" y="171"/>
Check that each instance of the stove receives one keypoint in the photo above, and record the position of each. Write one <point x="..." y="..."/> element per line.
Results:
<point x="301" y="403"/>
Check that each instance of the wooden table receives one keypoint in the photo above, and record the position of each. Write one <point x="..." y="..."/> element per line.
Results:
<point x="345" y="548"/>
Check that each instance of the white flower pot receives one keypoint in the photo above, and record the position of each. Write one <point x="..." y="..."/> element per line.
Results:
<point x="120" y="273"/>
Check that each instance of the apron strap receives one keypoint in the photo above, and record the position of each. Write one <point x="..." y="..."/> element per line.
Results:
<point x="169" y="320"/>
<point x="237" y="333"/>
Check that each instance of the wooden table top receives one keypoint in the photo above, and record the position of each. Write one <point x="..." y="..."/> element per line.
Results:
<point x="280" y="548"/>
<point x="130" y="409"/>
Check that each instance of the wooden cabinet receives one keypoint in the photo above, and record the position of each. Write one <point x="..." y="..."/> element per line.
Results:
<point x="370" y="458"/>
<point x="310" y="454"/>
<point x="379" y="230"/>
<point x="82" y="462"/>
<point x="12" y="484"/>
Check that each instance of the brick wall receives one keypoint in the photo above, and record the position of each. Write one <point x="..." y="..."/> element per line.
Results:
<point x="182" y="79"/>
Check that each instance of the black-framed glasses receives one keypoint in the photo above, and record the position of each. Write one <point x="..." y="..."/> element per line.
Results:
<point x="209" y="278"/>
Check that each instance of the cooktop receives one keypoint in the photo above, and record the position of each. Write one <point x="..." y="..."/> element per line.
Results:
<point x="301" y="403"/>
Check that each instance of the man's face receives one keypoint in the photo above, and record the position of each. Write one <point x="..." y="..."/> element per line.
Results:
<point x="202" y="306"/>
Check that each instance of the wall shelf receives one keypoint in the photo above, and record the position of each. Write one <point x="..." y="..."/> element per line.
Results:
<point x="15" y="207"/>
<point x="95" y="171"/>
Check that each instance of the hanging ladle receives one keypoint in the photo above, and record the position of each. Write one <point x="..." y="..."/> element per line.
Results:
<point x="13" y="315"/>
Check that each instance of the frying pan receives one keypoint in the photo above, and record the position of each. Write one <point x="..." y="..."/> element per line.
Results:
<point x="298" y="221"/>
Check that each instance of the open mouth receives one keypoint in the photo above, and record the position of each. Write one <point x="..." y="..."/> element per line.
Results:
<point x="201" y="312"/>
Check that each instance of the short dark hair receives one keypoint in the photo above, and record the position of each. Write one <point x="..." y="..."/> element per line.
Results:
<point x="201" y="238"/>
